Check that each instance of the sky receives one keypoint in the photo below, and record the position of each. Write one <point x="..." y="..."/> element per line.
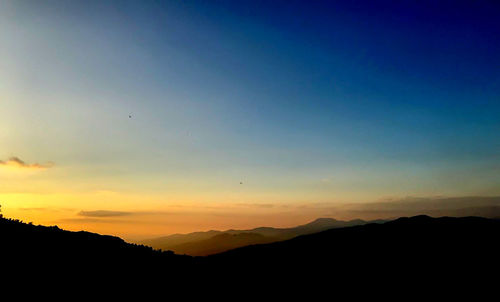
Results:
<point x="155" y="117"/>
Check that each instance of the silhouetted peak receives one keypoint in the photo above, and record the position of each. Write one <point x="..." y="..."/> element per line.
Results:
<point x="319" y="220"/>
<point x="263" y="229"/>
<point x="415" y="218"/>
<point x="322" y="221"/>
<point x="426" y="217"/>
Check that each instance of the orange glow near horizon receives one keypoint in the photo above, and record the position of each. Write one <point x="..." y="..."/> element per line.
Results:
<point x="122" y="217"/>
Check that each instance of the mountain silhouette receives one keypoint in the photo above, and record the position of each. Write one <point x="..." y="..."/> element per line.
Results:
<point x="51" y="249"/>
<point x="220" y="243"/>
<point x="415" y="254"/>
<point x="415" y="243"/>
<point x="212" y="242"/>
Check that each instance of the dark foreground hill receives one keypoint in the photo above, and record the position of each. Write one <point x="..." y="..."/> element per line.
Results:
<point x="50" y="249"/>
<point x="417" y="252"/>
<point x="420" y="244"/>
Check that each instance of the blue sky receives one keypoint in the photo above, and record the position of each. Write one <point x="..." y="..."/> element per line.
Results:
<point x="331" y="101"/>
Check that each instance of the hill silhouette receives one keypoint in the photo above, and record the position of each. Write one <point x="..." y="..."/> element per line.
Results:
<point x="50" y="249"/>
<point x="212" y="242"/>
<point x="418" y="253"/>
<point x="418" y="244"/>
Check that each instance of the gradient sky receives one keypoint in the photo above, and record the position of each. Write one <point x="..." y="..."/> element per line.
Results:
<point x="305" y="103"/>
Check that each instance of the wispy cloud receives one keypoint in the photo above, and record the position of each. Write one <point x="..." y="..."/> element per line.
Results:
<point x="256" y="205"/>
<point x="103" y="213"/>
<point x="433" y="206"/>
<point x="16" y="162"/>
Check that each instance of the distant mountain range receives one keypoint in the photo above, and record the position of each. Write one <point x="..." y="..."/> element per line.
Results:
<point x="213" y="242"/>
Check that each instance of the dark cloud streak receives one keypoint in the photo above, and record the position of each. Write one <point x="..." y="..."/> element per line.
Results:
<point x="437" y="207"/>
<point x="22" y="164"/>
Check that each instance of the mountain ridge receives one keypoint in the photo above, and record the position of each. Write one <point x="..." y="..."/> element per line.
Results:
<point x="202" y="243"/>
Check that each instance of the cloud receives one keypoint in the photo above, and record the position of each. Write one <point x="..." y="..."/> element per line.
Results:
<point x="103" y="213"/>
<point x="436" y="206"/>
<point x="256" y="205"/>
<point x="16" y="162"/>
<point x="433" y="206"/>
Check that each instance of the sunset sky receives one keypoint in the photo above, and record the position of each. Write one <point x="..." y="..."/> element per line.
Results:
<point x="243" y="113"/>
